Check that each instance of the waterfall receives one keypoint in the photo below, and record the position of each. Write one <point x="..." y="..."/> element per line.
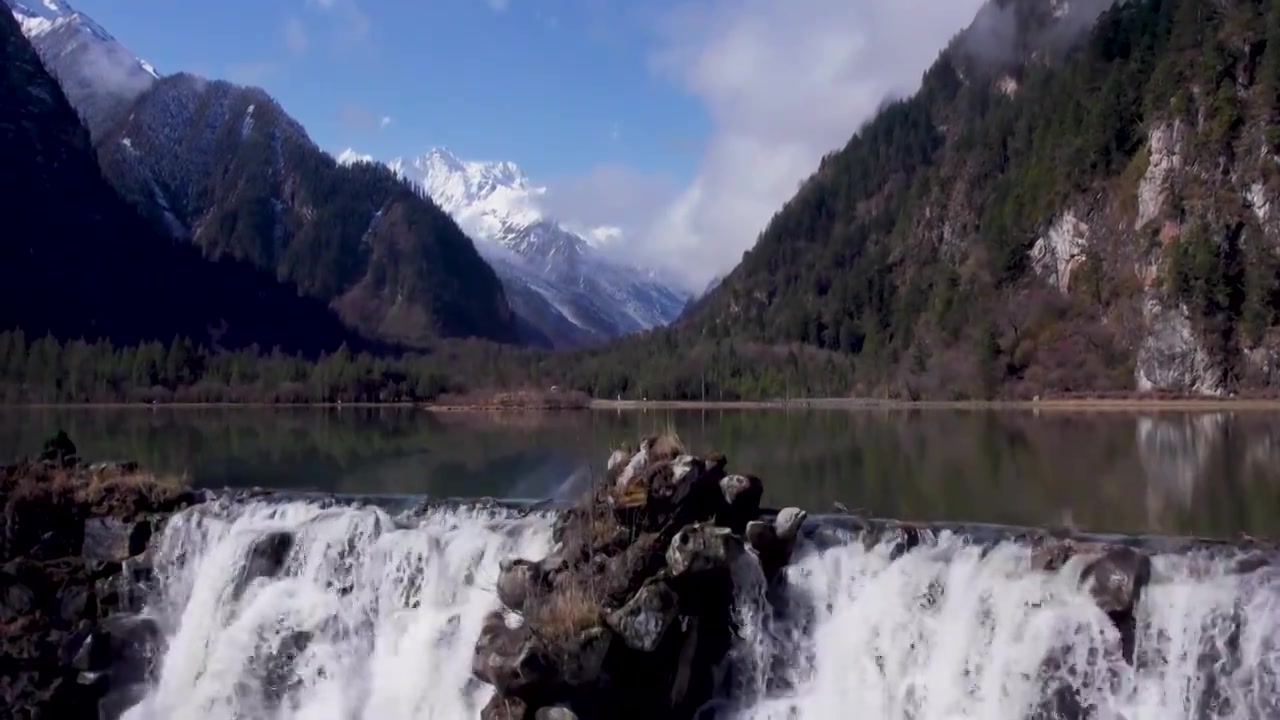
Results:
<point x="373" y="616"/>
<point x="951" y="631"/>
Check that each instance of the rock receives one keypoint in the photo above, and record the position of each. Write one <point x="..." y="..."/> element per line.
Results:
<point x="110" y="539"/>
<point x="518" y="580"/>
<point x="504" y="708"/>
<point x="557" y="712"/>
<point x="701" y="547"/>
<point x="674" y="480"/>
<point x="643" y="620"/>
<point x="581" y="660"/>
<point x="617" y="459"/>
<point x="788" y="523"/>
<point x="59" y="450"/>
<point x="742" y="495"/>
<point x="1116" y="579"/>
<point x="16" y="598"/>
<point x="266" y="559"/>
<point x="508" y="658"/>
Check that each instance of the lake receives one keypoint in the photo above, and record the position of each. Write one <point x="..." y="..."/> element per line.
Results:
<point x="1209" y="473"/>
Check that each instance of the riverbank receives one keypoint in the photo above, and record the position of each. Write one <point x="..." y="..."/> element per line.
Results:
<point x="1135" y="404"/>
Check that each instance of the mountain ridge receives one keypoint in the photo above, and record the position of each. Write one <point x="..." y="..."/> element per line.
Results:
<point x="555" y="270"/>
<point x="78" y="262"/>
<point x="100" y="76"/>
<point x="1081" y="211"/>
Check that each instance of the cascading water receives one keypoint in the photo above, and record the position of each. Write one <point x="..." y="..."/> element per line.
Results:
<point x="368" y="617"/>
<point x="950" y="631"/>
<point x="371" y="616"/>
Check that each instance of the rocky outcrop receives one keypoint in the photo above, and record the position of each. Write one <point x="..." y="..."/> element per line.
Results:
<point x="632" y="613"/>
<point x="73" y="571"/>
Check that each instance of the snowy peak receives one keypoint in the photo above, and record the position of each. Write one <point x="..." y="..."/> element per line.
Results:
<point x="489" y="199"/>
<point x="351" y="157"/>
<point x="100" y="76"/>
<point x="557" y="276"/>
<point x="45" y="17"/>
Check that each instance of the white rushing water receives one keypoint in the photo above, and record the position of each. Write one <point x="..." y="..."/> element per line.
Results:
<point x="392" y="613"/>
<point x="944" y="632"/>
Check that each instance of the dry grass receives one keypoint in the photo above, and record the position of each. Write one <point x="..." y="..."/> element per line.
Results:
<point x="107" y="491"/>
<point x="566" y="612"/>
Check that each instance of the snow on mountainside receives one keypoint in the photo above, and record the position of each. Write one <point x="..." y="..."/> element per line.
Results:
<point x="100" y="76"/>
<point x="541" y="260"/>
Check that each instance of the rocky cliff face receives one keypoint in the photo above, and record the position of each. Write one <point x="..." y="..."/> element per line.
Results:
<point x="1079" y="199"/>
<point x="74" y="574"/>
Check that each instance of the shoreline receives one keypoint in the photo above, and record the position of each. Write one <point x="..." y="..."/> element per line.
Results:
<point x="845" y="404"/>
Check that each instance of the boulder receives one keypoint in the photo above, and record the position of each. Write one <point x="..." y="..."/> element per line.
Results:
<point x="509" y="658"/>
<point x="518" y="580"/>
<point x="265" y="559"/>
<point x="110" y="539"/>
<point x="1116" y="579"/>
<point x="775" y="542"/>
<point x="741" y="495"/>
<point x="643" y="621"/>
<point x="702" y="547"/>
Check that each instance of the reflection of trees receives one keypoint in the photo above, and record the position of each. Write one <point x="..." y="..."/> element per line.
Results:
<point x="1175" y="451"/>
<point x="1107" y="471"/>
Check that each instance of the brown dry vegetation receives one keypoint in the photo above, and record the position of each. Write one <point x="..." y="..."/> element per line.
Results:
<point x="566" y="611"/>
<point x="107" y="491"/>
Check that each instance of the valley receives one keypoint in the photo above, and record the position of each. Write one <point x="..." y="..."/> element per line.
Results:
<point x="993" y="236"/>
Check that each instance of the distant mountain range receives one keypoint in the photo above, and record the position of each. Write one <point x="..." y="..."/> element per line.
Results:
<point x="76" y="261"/>
<point x="577" y="292"/>
<point x="226" y="168"/>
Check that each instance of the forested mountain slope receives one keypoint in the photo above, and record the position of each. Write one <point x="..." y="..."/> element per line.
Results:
<point x="226" y="168"/>
<point x="77" y="261"/>
<point x="1065" y="206"/>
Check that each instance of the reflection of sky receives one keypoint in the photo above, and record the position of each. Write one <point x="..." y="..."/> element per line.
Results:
<point x="1174" y="451"/>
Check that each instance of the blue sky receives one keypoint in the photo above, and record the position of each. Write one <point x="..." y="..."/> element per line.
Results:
<point x="558" y="86"/>
<point x="687" y="123"/>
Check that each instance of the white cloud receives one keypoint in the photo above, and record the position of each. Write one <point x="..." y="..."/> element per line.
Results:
<point x="783" y="83"/>
<point x="385" y="121"/>
<point x="498" y="5"/>
<point x="295" y="36"/>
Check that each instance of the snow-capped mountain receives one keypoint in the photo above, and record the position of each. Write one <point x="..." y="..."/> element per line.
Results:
<point x="539" y="258"/>
<point x="100" y="76"/>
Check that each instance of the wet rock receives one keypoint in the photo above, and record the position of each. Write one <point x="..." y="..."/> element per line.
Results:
<point x="267" y="557"/>
<point x="643" y="621"/>
<point x="1117" y="579"/>
<point x="702" y="547"/>
<point x="518" y="580"/>
<point x="504" y="708"/>
<point x="509" y="659"/>
<point x="110" y="539"/>
<point x="741" y="495"/>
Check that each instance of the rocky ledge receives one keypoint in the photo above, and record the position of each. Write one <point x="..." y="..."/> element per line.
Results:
<point x="631" y="614"/>
<point x="73" y="569"/>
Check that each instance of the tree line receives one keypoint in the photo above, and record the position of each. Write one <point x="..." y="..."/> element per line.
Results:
<point x="651" y="366"/>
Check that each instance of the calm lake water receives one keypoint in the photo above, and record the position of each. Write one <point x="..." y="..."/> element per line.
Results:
<point x="1212" y="474"/>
